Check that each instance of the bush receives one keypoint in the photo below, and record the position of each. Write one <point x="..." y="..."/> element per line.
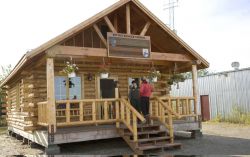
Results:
<point x="217" y="119"/>
<point x="239" y="116"/>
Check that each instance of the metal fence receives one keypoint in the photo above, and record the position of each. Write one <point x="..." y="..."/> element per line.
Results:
<point x="225" y="90"/>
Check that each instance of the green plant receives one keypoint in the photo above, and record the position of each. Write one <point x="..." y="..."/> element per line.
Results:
<point x="218" y="118"/>
<point x="104" y="68"/>
<point x="154" y="73"/>
<point x="238" y="115"/>
<point x="70" y="68"/>
<point x="175" y="79"/>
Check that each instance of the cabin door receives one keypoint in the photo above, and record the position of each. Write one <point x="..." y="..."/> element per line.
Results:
<point x="107" y="88"/>
<point x="205" y="113"/>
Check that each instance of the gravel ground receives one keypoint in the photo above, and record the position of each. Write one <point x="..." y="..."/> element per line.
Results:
<point x="218" y="139"/>
<point x="12" y="146"/>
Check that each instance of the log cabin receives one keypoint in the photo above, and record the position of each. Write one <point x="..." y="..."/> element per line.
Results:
<point x="50" y="108"/>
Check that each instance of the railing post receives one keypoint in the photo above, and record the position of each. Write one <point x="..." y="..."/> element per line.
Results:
<point x="171" y="130"/>
<point x="135" y="127"/>
<point x="195" y="87"/>
<point x="105" y="110"/>
<point x="117" y="108"/>
<point x="128" y="115"/>
<point x="177" y="106"/>
<point x="68" y="112"/>
<point x="187" y="107"/>
<point x="93" y="112"/>
<point x="81" y="110"/>
<point x="122" y="111"/>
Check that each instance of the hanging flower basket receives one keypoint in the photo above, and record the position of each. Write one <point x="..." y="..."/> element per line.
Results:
<point x="73" y="74"/>
<point x="154" y="75"/>
<point x="70" y="69"/>
<point x="104" y="70"/>
<point x="175" y="79"/>
<point x="104" y="75"/>
<point x="154" y="79"/>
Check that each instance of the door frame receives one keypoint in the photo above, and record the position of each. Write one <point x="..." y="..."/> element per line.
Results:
<point x="98" y="85"/>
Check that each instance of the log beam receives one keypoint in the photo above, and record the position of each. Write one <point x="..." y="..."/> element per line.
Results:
<point x="98" y="31"/>
<point x="67" y="51"/>
<point x="145" y="29"/>
<point x="128" y="19"/>
<point x="116" y="22"/>
<point x="110" y="25"/>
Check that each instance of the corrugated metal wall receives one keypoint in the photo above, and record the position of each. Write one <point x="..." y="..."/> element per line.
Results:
<point x="225" y="90"/>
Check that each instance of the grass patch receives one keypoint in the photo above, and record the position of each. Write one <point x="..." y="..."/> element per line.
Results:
<point x="238" y="116"/>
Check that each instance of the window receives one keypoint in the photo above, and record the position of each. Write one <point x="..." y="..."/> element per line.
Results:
<point x="67" y="88"/>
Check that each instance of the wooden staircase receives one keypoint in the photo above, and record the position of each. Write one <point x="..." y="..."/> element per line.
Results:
<point x="150" y="137"/>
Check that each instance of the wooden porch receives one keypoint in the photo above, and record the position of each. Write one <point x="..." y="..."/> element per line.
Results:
<point x="119" y="119"/>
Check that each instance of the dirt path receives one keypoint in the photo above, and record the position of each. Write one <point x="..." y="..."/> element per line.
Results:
<point x="227" y="129"/>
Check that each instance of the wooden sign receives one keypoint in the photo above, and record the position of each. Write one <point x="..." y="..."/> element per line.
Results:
<point x="128" y="46"/>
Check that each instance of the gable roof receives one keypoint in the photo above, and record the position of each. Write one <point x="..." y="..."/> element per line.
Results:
<point x="91" y="21"/>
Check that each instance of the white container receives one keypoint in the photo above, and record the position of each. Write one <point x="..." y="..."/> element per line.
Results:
<point x="104" y="75"/>
<point x="154" y="79"/>
<point x="73" y="74"/>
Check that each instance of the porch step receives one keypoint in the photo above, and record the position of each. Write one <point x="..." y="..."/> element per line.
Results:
<point x="149" y="137"/>
<point x="146" y="132"/>
<point x="153" y="139"/>
<point x="157" y="146"/>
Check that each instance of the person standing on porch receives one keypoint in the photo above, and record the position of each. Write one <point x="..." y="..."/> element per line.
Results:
<point x="145" y="92"/>
<point x="134" y="96"/>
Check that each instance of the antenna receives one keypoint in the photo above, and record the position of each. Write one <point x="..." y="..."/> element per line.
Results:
<point x="170" y="5"/>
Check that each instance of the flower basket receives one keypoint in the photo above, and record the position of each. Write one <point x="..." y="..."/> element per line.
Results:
<point x="154" y="79"/>
<point x="70" y="69"/>
<point x="104" y="70"/>
<point x="104" y="75"/>
<point x="154" y="75"/>
<point x="73" y="74"/>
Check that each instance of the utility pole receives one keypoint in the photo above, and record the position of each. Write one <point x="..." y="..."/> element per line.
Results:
<point x="169" y="7"/>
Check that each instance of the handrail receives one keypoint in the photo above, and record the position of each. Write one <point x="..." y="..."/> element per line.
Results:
<point x="86" y="100"/>
<point x="126" y="111"/>
<point x="163" y="111"/>
<point x="138" y="115"/>
<point x="169" y="108"/>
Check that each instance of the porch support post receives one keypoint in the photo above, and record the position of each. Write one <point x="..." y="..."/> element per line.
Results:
<point x="51" y="106"/>
<point x="195" y="87"/>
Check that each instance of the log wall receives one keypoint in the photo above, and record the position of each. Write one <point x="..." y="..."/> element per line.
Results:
<point x="30" y="87"/>
<point x="22" y="98"/>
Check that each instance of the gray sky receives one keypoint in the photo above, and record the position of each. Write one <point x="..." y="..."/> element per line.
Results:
<point x="217" y="29"/>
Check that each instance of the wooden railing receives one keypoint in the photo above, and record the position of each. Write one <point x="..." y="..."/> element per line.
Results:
<point x="165" y="109"/>
<point x="127" y="111"/>
<point x="93" y="111"/>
